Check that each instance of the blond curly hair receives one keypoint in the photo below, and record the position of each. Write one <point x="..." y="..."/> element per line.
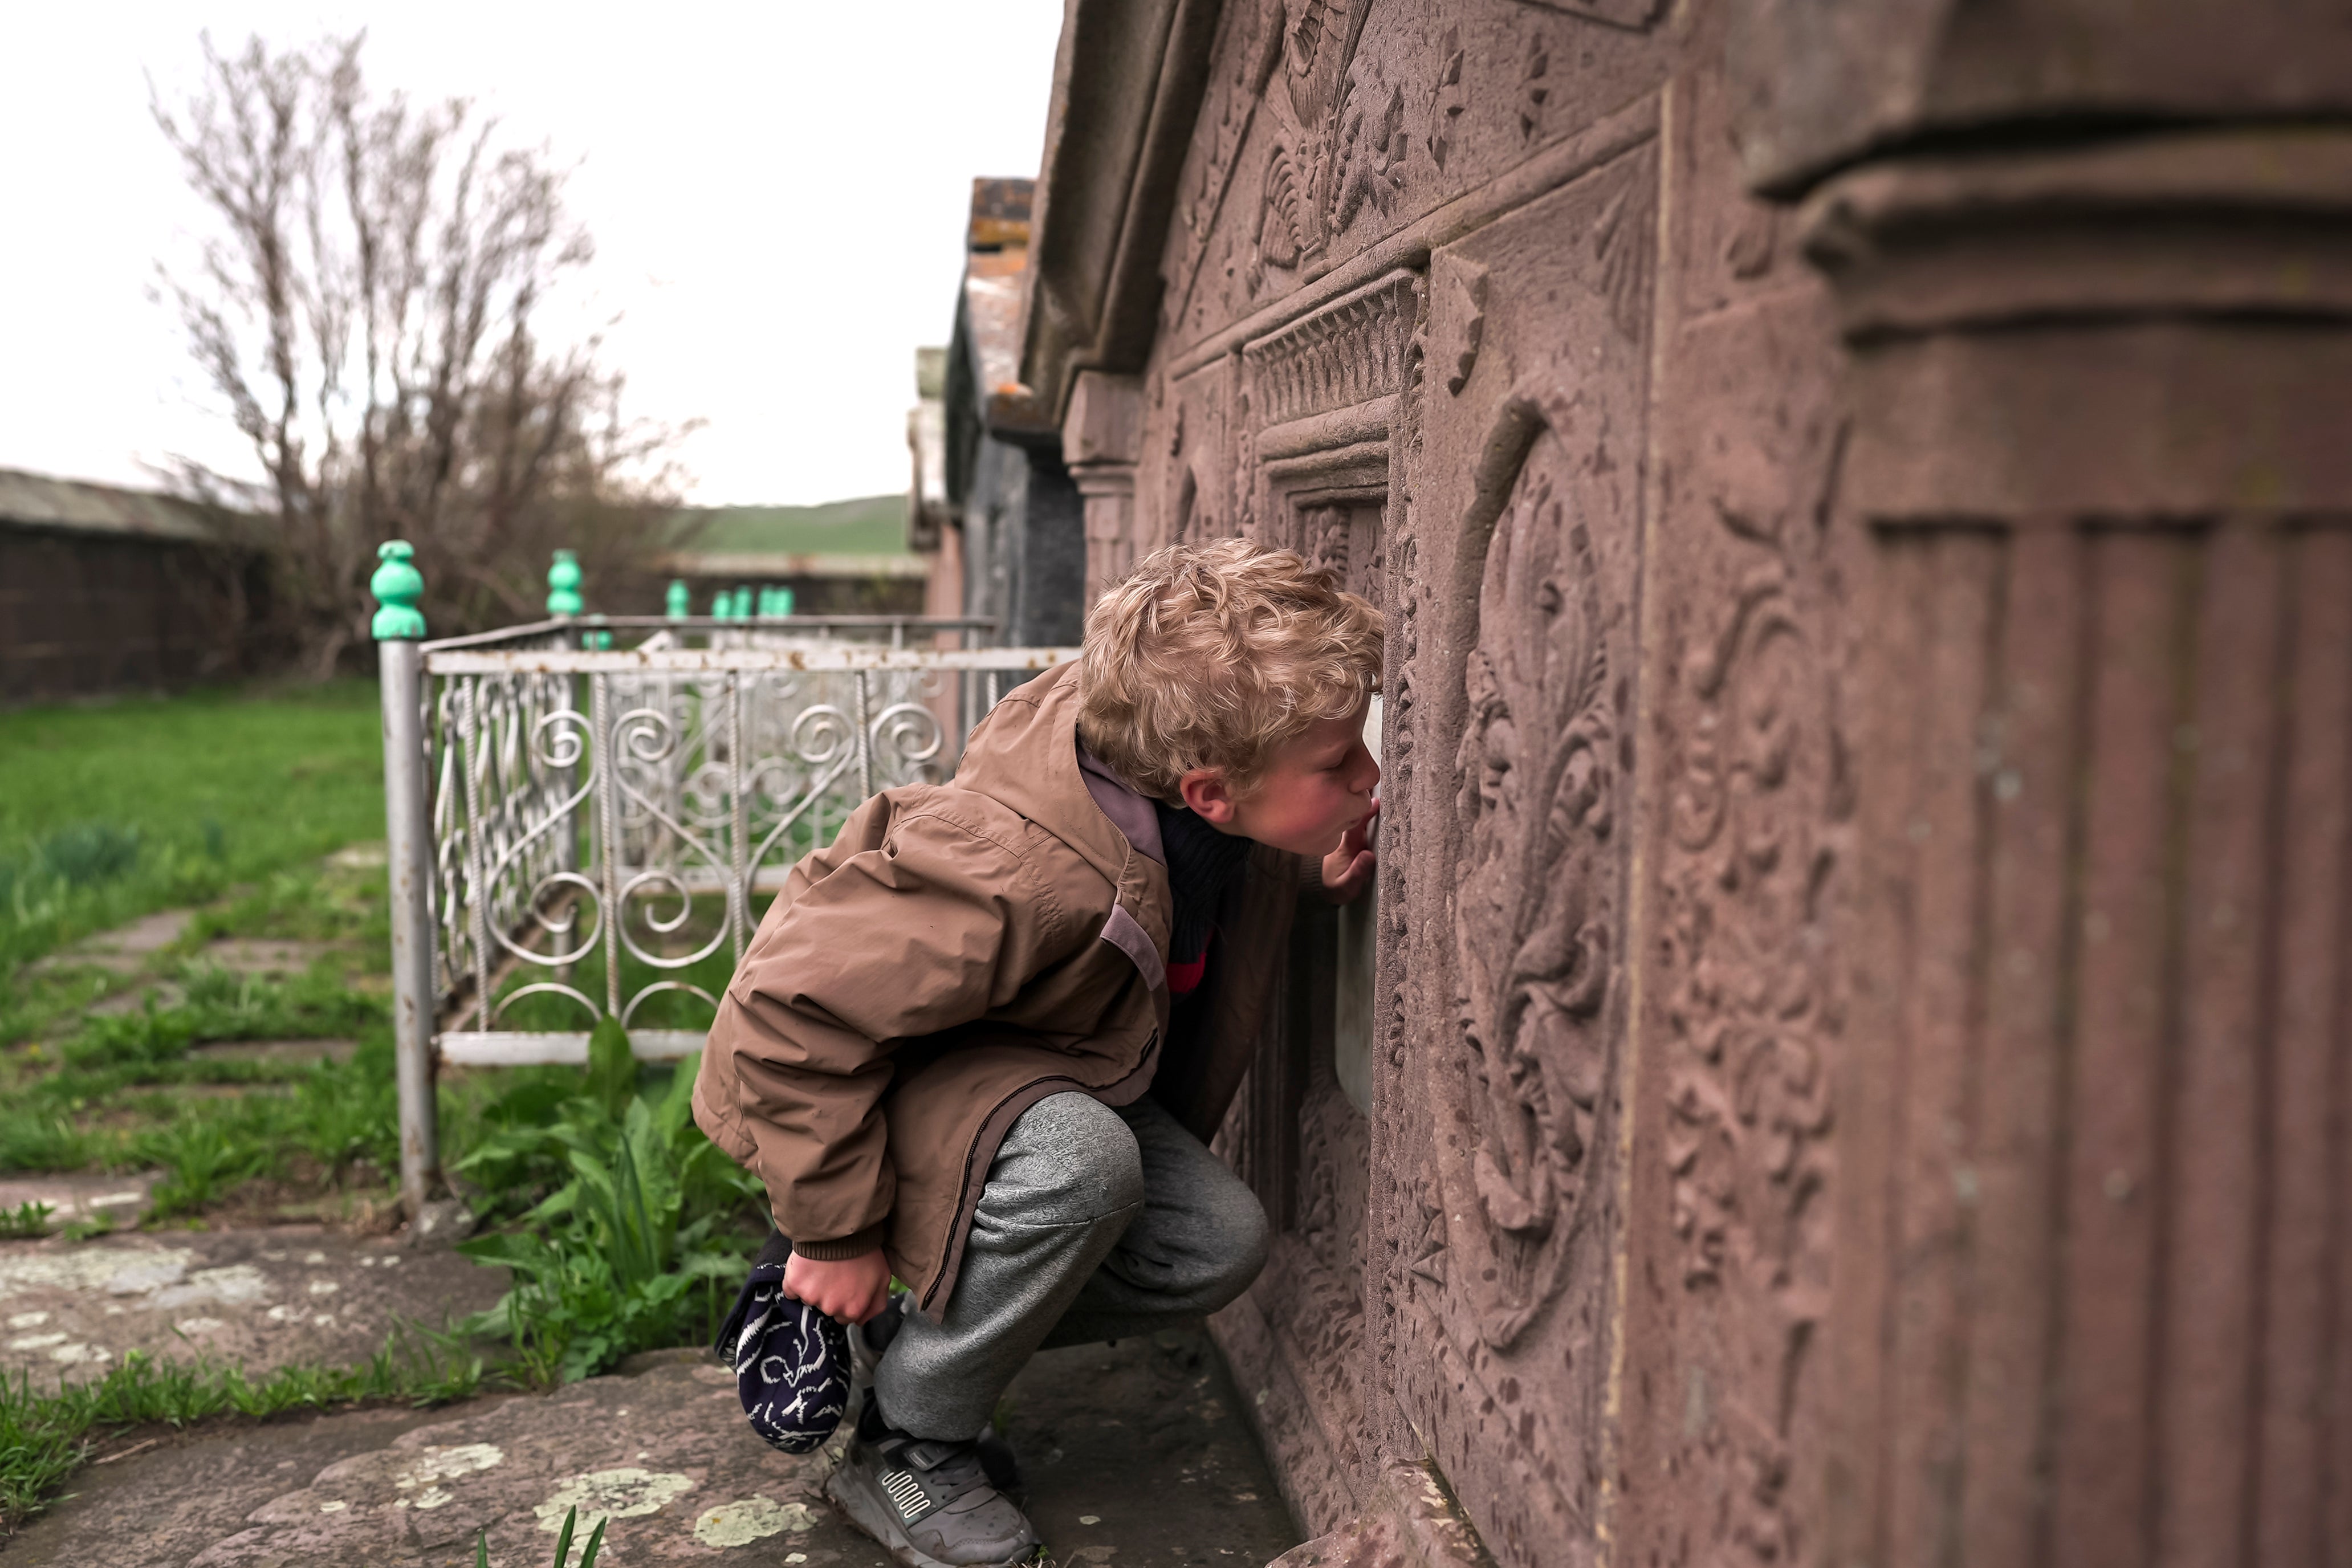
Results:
<point x="1213" y="656"/>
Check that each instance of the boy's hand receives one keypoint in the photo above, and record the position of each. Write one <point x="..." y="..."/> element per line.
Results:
<point x="853" y="1288"/>
<point x="1347" y="870"/>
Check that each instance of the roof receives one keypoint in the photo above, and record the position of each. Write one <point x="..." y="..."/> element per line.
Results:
<point x="37" y="500"/>
<point x="869" y="525"/>
<point x="767" y="566"/>
<point x="1128" y="80"/>
<point x="991" y="303"/>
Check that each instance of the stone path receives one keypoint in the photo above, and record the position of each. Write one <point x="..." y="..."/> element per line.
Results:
<point x="1133" y="1453"/>
<point x="256" y="1298"/>
<point x="144" y="957"/>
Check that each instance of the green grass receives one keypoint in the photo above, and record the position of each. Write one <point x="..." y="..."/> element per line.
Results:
<point x="870" y="525"/>
<point x="625" y="1229"/>
<point x="645" y="1228"/>
<point x="45" y="1438"/>
<point x="113" y="812"/>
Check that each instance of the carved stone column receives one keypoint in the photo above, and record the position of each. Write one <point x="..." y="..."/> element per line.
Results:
<point x="2093" y="1283"/>
<point x="1101" y="434"/>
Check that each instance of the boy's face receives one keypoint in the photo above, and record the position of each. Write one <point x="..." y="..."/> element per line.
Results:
<point x="1317" y="787"/>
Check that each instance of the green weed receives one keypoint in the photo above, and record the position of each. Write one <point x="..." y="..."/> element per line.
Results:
<point x="629" y="1251"/>
<point x="88" y="854"/>
<point x="562" y="1542"/>
<point x="203" y="1159"/>
<point x="34" y="1138"/>
<point x="27" y="1220"/>
<point x="44" y="1437"/>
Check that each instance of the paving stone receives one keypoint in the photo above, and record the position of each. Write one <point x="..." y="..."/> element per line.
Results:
<point x="275" y="1050"/>
<point x="122" y="1198"/>
<point x="1138" y="1457"/>
<point x="127" y="948"/>
<point x="263" y="956"/>
<point x="1136" y="1453"/>
<point x="252" y="1298"/>
<point x="163" y="994"/>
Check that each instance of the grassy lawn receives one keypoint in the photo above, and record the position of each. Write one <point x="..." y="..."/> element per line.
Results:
<point x="109" y="812"/>
<point x="624" y="1229"/>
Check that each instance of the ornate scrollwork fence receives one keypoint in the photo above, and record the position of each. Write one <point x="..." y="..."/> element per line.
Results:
<point x="589" y="829"/>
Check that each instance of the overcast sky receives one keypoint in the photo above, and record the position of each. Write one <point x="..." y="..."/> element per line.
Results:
<point x="777" y="195"/>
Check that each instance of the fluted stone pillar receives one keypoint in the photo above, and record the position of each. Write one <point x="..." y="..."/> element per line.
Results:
<point x="2093" y="1294"/>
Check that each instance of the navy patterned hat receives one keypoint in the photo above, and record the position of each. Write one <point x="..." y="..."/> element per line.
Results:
<point x="791" y="1361"/>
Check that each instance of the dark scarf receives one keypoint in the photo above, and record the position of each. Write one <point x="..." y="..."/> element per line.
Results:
<point x="1202" y="864"/>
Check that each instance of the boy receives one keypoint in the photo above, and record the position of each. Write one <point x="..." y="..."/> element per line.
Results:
<point x="981" y="1041"/>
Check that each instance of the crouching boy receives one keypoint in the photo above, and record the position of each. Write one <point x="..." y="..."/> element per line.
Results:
<point x="981" y="1041"/>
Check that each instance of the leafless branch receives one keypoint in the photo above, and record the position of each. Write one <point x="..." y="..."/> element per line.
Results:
<point x="367" y="308"/>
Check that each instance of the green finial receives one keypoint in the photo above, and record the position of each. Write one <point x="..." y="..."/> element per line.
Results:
<point x="397" y="586"/>
<point x="563" y="584"/>
<point x="783" y="601"/>
<point x="743" y="601"/>
<point x="719" y="605"/>
<point x="681" y="602"/>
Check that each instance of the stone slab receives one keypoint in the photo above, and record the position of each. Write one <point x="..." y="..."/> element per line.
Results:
<point x="256" y="1298"/>
<point x="263" y="957"/>
<point x="1134" y="1454"/>
<point x="275" y="1050"/>
<point x="127" y="948"/>
<point x="122" y="1198"/>
<point x="162" y="994"/>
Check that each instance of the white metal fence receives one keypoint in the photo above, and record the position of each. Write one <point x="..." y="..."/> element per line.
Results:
<point x="581" y="832"/>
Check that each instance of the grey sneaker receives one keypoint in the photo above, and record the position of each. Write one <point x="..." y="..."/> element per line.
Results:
<point x="929" y="1502"/>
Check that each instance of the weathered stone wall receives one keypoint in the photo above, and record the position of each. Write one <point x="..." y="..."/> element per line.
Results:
<point x="1858" y="1043"/>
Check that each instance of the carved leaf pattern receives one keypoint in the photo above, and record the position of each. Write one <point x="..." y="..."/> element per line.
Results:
<point x="1756" y="825"/>
<point x="1538" y="901"/>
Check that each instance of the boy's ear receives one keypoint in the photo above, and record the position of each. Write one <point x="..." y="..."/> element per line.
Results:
<point x="1204" y="791"/>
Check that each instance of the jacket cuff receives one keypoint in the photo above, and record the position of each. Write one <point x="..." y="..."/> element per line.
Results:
<point x="855" y="1245"/>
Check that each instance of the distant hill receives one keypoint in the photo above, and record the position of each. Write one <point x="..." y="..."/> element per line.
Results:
<point x="871" y="525"/>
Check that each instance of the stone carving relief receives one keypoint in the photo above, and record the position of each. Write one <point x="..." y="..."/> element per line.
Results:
<point x="1759" y="809"/>
<point x="1338" y="142"/>
<point x="1631" y="14"/>
<point x="1504" y="1209"/>
<point x="1447" y="99"/>
<point x="1537" y="778"/>
<point x="1319" y="113"/>
<point x="1625" y="242"/>
<point x="1458" y="356"/>
<point x="1535" y="85"/>
<point x="1359" y="346"/>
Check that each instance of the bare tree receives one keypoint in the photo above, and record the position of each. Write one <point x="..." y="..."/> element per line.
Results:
<point x="367" y="305"/>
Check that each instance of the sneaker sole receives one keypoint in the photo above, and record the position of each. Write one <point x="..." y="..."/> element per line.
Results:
<point x="878" y="1519"/>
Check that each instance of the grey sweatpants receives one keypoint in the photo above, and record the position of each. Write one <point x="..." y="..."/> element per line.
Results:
<point x="1095" y="1224"/>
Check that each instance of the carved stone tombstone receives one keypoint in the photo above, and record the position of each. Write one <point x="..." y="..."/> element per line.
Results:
<point x="1859" y="495"/>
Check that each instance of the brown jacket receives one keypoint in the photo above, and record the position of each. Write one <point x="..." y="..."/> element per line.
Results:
<point x="958" y="952"/>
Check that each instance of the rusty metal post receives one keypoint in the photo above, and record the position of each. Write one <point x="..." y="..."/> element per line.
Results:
<point x="409" y="869"/>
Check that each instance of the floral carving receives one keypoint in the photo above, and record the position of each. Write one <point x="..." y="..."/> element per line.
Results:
<point x="1538" y="905"/>
<point x="1757" y="817"/>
